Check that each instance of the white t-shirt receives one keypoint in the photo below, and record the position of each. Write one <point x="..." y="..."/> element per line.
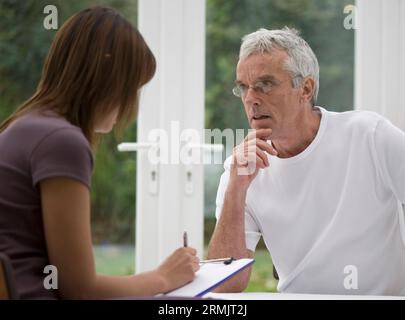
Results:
<point x="331" y="216"/>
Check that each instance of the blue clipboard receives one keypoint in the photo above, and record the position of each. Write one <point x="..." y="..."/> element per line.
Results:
<point x="210" y="276"/>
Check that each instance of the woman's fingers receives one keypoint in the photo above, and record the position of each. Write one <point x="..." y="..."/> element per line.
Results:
<point x="196" y="264"/>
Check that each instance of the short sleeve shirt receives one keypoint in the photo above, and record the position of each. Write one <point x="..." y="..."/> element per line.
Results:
<point x="35" y="147"/>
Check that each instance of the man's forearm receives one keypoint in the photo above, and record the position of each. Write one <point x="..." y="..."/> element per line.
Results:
<point x="228" y="239"/>
<point x="229" y="234"/>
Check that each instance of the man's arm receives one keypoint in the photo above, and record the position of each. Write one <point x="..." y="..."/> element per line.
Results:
<point x="229" y="238"/>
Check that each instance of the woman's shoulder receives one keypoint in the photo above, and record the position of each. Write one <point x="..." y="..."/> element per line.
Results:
<point x="36" y="126"/>
<point x="45" y="145"/>
<point x="42" y="122"/>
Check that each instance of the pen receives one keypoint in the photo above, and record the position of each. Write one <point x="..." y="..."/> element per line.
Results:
<point x="185" y="239"/>
<point x="224" y="260"/>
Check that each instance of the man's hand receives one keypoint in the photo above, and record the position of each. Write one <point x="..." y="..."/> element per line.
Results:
<point x="249" y="157"/>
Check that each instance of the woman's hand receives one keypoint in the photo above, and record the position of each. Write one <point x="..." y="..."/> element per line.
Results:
<point x="178" y="269"/>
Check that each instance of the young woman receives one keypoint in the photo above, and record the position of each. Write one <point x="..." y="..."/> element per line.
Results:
<point x="95" y="68"/>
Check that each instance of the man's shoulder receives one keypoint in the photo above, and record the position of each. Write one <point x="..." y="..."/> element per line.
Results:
<point x="356" y="119"/>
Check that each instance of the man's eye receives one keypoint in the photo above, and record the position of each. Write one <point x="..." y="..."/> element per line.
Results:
<point x="265" y="83"/>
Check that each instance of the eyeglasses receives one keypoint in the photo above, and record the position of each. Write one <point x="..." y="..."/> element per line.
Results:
<point x="263" y="86"/>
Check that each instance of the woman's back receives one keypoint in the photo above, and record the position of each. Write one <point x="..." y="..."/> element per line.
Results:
<point x="95" y="68"/>
<point x="33" y="148"/>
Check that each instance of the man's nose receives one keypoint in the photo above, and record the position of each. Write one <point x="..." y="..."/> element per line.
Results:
<point x="251" y="97"/>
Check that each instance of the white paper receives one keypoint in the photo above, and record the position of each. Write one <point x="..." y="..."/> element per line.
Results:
<point x="210" y="276"/>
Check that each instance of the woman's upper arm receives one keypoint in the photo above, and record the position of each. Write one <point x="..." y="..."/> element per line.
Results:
<point x="66" y="218"/>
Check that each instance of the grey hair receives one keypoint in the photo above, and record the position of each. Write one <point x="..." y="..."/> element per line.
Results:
<point x="302" y="61"/>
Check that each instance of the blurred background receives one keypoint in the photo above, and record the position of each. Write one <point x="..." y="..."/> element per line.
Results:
<point x="23" y="47"/>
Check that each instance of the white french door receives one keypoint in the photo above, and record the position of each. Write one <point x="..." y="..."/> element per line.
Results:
<point x="170" y="195"/>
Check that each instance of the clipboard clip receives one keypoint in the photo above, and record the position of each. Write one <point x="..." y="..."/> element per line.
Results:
<point x="224" y="260"/>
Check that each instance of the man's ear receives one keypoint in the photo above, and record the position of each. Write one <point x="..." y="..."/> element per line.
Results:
<point x="307" y="89"/>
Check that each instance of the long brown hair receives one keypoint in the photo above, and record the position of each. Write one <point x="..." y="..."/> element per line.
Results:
<point x="97" y="62"/>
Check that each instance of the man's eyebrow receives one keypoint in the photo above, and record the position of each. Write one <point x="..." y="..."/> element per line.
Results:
<point x="261" y="78"/>
<point x="266" y="77"/>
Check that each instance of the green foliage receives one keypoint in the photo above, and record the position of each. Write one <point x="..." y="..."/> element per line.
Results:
<point x="113" y="193"/>
<point x="261" y="279"/>
<point x="114" y="260"/>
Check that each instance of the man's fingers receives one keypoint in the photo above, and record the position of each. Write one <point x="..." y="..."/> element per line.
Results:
<point x="248" y="152"/>
<point x="251" y="158"/>
<point x="263" y="145"/>
<point x="253" y="151"/>
<point x="266" y="146"/>
<point x="241" y="158"/>
<point x="259" y="163"/>
<point x="259" y="154"/>
<point x="263" y="134"/>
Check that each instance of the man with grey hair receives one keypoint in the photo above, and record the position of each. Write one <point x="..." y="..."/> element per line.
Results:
<point x="323" y="189"/>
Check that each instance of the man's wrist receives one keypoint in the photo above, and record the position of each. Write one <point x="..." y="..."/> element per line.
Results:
<point x="236" y="189"/>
